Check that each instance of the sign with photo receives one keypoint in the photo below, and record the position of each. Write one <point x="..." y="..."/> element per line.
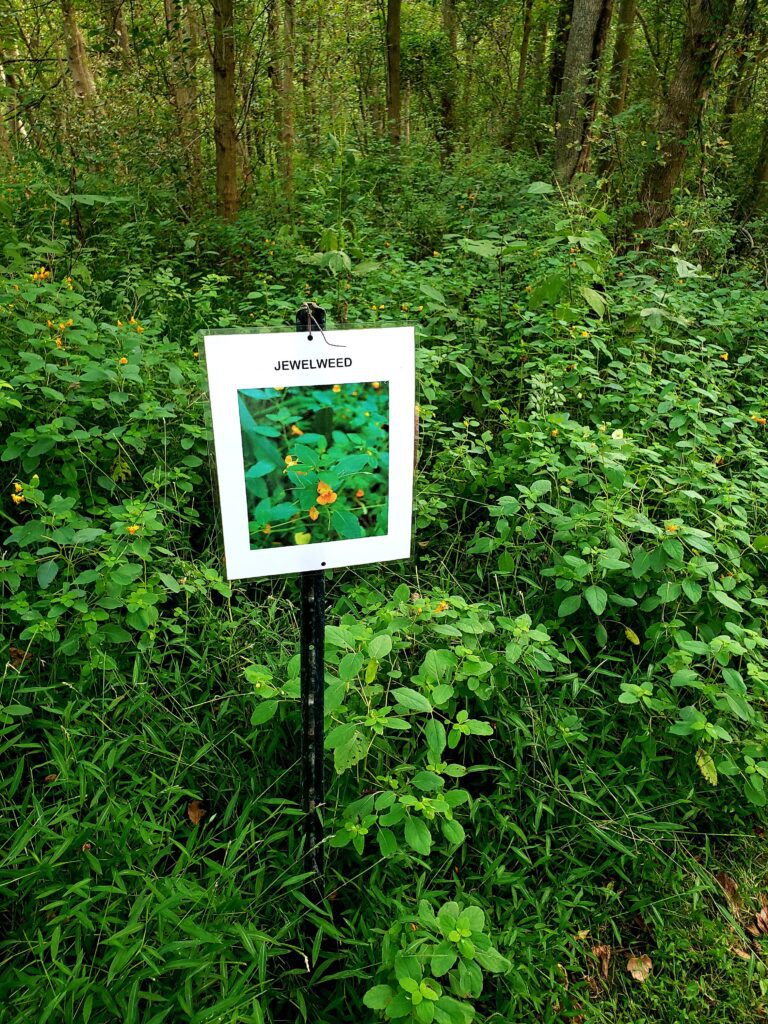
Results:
<point x="314" y="442"/>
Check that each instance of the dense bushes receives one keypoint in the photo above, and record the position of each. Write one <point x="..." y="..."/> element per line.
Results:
<point x="538" y="729"/>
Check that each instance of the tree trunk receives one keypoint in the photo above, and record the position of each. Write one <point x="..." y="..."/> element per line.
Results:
<point x="748" y="57"/>
<point x="577" y="101"/>
<point x="9" y="80"/>
<point x="116" y="29"/>
<point x="77" y="58"/>
<point x="287" y="134"/>
<point x="704" y="38"/>
<point x="759" y="198"/>
<point x="560" y="38"/>
<point x="182" y="43"/>
<point x="617" y="98"/>
<point x="393" y="70"/>
<point x="523" y="66"/>
<point x="225" y="134"/>
<point x="448" y="92"/>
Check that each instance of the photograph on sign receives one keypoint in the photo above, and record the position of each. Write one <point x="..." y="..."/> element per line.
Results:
<point x="314" y="447"/>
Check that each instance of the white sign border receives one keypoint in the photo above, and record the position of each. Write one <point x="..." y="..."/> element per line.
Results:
<point x="244" y="360"/>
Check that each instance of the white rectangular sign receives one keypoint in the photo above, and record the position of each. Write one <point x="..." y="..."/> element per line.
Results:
<point x="314" y="445"/>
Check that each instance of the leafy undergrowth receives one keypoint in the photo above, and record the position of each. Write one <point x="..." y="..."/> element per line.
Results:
<point x="546" y="734"/>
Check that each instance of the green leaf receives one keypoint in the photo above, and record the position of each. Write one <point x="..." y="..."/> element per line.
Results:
<point x="378" y="997"/>
<point x="46" y="573"/>
<point x="569" y="605"/>
<point x="540" y="188"/>
<point x="692" y="590"/>
<point x="596" y="598"/>
<point x="444" y="956"/>
<point x="264" y="711"/>
<point x="491" y="960"/>
<point x="450" y="1011"/>
<point x="669" y="591"/>
<point x="727" y="601"/>
<point x="453" y="831"/>
<point x="380" y="646"/>
<point x="387" y="842"/>
<point x="434" y="733"/>
<point x="411" y="699"/>
<point x="418" y="836"/>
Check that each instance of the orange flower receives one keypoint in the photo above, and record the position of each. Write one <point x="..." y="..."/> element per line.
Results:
<point x="17" y="487"/>
<point x="375" y="385"/>
<point x="336" y="389"/>
<point x="313" y="514"/>
<point x="325" y="494"/>
<point x="58" y="342"/>
<point x="442" y="607"/>
<point x="296" y="431"/>
<point x="139" y="329"/>
<point x="359" y="493"/>
<point x="18" y="498"/>
<point x="123" y="361"/>
<point x="119" y="323"/>
<point x="671" y="527"/>
<point x="724" y="356"/>
<point x="759" y="419"/>
<point x="267" y="529"/>
<point x="133" y="528"/>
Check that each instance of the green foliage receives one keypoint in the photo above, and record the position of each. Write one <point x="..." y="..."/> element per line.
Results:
<point x="545" y="734"/>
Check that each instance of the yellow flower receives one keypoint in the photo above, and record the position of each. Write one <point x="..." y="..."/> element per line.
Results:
<point x="435" y="252"/>
<point x="267" y="529"/>
<point x="132" y="321"/>
<point x="119" y="323"/>
<point x="554" y="433"/>
<point x="18" y="498"/>
<point x="336" y="389"/>
<point x="296" y="431"/>
<point x="759" y="419"/>
<point x="49" y="323"/>
<point x="354" y="394"/>
<point x="724" y="356"/>
<point x="404" y="307"/>
<point x="58" y="342"/>
<point x="291" y="460"/>
<point x="442" y="607"/>
<point x="17" y="487"/>
<point x="375" y="385"/>
<point x="139" y="329"/>
<point x="313" y="514"/>
<point x="585" y="334"/>
<point x="618" y="435"/>
<point x="133" y="528"/>
<point x="196" y="355"/>
<point x="381" y="306"/>
<point x="123" y="361"/>
<point x="671" y="527"/>
<point x="366" y="413"/>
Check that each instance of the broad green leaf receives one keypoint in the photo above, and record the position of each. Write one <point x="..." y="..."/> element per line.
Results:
<point x="596" y="598"/>
<point x="417" y="835"/>
<point x="411" y="699"/>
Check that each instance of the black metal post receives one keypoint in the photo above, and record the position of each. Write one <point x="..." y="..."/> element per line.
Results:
<point x="312" y="683"/>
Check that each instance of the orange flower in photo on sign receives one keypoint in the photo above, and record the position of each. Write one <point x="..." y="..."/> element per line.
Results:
<point x="336" y="389"/>
<point x="296" y="430"/>
<point x="359" y="493"/>
<point x="325" y="494"/>
<point x="290" y="462"/>
<point x="314" y="514"/>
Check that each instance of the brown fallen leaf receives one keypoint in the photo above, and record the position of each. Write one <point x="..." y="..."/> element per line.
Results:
<point x="603" y="954"/>
<point x="51" y="778"/>
<point x="196" y="811"/>
<point x="742" y="953"/>
<point x="639" y="967"/>
<point x="731" y="890"/>
<point x="17" y="656"/>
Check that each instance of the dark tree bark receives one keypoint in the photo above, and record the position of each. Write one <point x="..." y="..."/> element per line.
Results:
<point x="224" y="131"/>
<point x="576" y="104"/>
<point x="622" y="49"/>
<point x="559" y="41"/>
<point x="449" y="90"/>
<point x="523" y="65"/>
<point x="393" y="70"/>
<point x="759" y="196"/>
<point x="703" y="41"/>
<point x="182" y="45"/>
<point x="750" y="50"/>
<point x="116" y="29"/>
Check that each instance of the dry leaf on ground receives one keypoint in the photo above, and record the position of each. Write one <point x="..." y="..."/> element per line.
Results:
<point x="639" y="967"/>
<point x="196" y="811"/>
<point x="603" y="954"/>
<point x="731" y="890"/>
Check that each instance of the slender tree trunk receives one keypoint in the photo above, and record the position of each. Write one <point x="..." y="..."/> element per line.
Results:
<point x="748" y="57"/>
<point x="77" y="58"/>
<point x="576" y="104"/>
<point x="523" y="66"/>
<point x="448" y="92"/>
<point x="560" y="39"/>
<point x="759" y="196"/>
<point x="704" y="38"/>
<point x="10" y="81"/>
<point x="622" y="49"/>
<point x="287" y="133"/>
<point x="182" y="44"/>
<point x="393" y="70"/>
<point x="224" y="130"/>
<point x="116" y="29"/>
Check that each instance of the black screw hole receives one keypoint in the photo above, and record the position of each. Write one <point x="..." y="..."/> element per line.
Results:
<point x="323" y="564"/>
